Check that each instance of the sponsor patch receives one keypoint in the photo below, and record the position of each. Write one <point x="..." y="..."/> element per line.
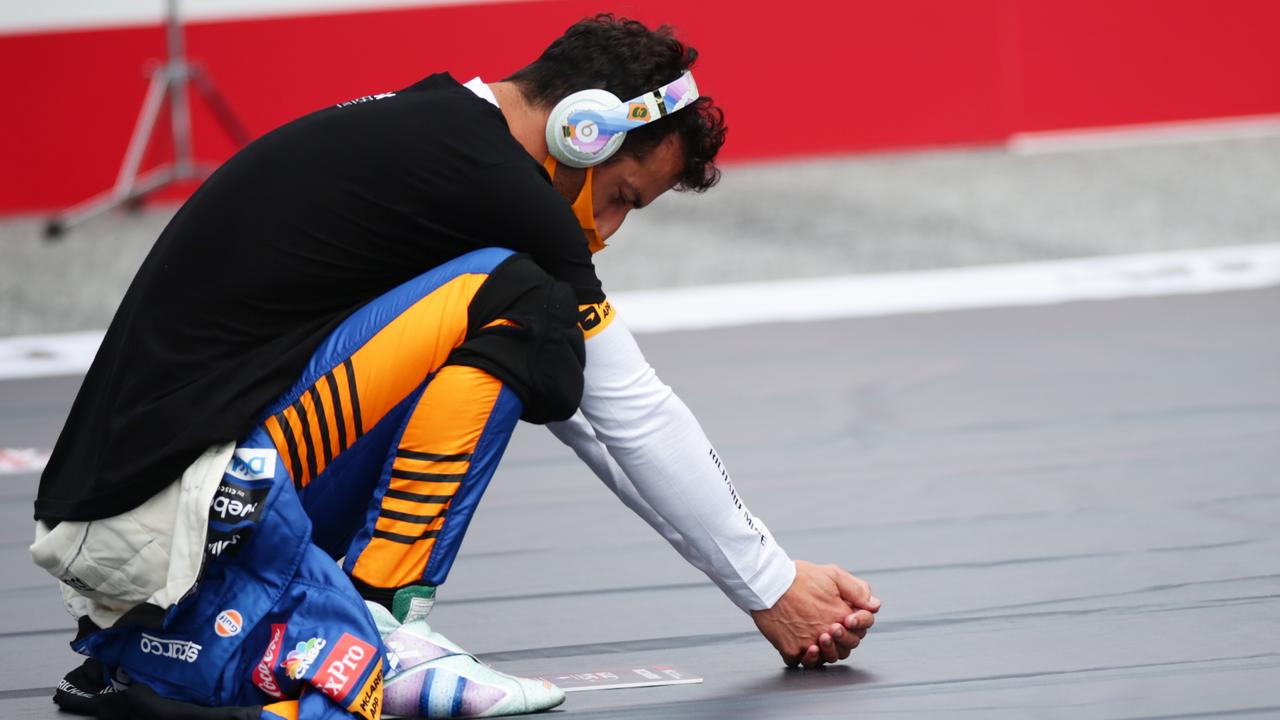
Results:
<point x="220" y="542"/>
<point x="343" y="666"/>
<point x="229" y="623"/>
<point x="264" y="673"/>
<point x="593" y="319"/>
<point x="233" y="504"/>
<point x="365" y="99"/>
<point x="253" y="464"/>
<point x="368" y="702"/>
<point x="70" y="689"/>
<point x="302" y="656"/>
<point x="76" y="583"/>
<point x="638" y="111"/>
<point x="183" y="650"/>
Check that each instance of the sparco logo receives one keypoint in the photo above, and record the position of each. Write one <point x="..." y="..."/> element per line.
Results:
<point x="252" y="464"/>
<point x="263" y="675"/>
<point x="173" y="649"/>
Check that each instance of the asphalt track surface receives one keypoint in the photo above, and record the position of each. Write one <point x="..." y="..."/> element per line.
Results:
<point x="1069" y="511"/>
<point x="859" y="214"/>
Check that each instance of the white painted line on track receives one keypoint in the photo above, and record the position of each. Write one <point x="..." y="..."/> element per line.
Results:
<point x="1039" y="283"/>
<point x="1144" y="135"/>
<point x="14" y="461"/>
<point x="31" y="356"/>
<point x="687" y="308"/>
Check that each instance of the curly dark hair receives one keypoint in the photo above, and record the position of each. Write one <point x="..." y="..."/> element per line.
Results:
<point x="627" y="58"/>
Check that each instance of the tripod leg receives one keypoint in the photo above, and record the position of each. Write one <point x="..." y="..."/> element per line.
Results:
<point x="142" y="130"/>
<point x="123" y="191"/>
<point x="221" y="108"/>
<point x="152" y="180"/>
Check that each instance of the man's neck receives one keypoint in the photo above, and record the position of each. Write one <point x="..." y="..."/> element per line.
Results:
<point x="528" y="124"/>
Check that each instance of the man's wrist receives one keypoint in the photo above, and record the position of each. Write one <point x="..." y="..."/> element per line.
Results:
<point x="772" y="580"/>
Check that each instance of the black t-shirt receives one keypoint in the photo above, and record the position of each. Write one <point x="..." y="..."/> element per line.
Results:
<point x="286" y="239"/>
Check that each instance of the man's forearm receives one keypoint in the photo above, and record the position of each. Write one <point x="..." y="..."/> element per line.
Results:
<point x="645" y="444"/>
<point x="578" y="434"/>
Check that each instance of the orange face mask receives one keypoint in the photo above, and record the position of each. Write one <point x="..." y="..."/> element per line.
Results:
<point x="582" y="207"/>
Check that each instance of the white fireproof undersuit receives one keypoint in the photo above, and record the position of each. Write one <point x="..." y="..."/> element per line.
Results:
<point x="647" y="447"/>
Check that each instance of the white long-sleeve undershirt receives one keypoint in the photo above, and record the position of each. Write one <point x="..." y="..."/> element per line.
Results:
<point x="647" y="447"/>
<point x="644" y="443"/>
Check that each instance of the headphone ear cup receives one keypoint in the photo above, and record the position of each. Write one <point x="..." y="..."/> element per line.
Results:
<point x="577" y="146"/>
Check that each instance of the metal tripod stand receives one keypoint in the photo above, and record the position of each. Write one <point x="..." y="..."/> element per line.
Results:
<point x="169" y="81"/>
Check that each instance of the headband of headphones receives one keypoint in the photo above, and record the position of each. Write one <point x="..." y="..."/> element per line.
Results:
<point x="588" y="127"/>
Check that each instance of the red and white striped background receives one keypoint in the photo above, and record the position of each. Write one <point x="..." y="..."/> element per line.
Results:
<point x="827" y="76"/>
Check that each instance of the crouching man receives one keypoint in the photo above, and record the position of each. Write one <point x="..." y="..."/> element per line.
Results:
<point x="324" y="356"/>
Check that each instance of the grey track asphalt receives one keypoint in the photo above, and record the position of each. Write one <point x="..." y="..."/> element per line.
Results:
<point x="1069" y="511"/>
<point x="860" y="214"/>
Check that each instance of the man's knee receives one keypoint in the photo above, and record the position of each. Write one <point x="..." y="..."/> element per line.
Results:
<point x="522" y="329"/>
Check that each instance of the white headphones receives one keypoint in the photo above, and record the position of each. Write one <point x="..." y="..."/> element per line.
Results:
<point x="588" y="127"/>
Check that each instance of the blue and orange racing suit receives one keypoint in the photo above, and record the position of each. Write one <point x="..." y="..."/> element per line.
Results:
<point x="378" y="454"/>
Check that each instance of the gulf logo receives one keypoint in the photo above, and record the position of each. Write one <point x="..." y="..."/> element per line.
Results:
<point x="228" y="624"/>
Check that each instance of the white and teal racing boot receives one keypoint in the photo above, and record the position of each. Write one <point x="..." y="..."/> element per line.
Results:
<point x="428" y="676"/>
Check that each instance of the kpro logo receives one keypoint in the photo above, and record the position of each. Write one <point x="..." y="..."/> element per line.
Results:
<point x="343" y="666"/>
<point x="228" y="623"/>
<point x="253" y="464"/>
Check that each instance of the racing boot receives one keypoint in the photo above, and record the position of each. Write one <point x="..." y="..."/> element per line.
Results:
<point x="429" y="676"/>
<point x="81" y="691"/>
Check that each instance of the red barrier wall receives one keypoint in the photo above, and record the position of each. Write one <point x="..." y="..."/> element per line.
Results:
<point x="823" y="77"/>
